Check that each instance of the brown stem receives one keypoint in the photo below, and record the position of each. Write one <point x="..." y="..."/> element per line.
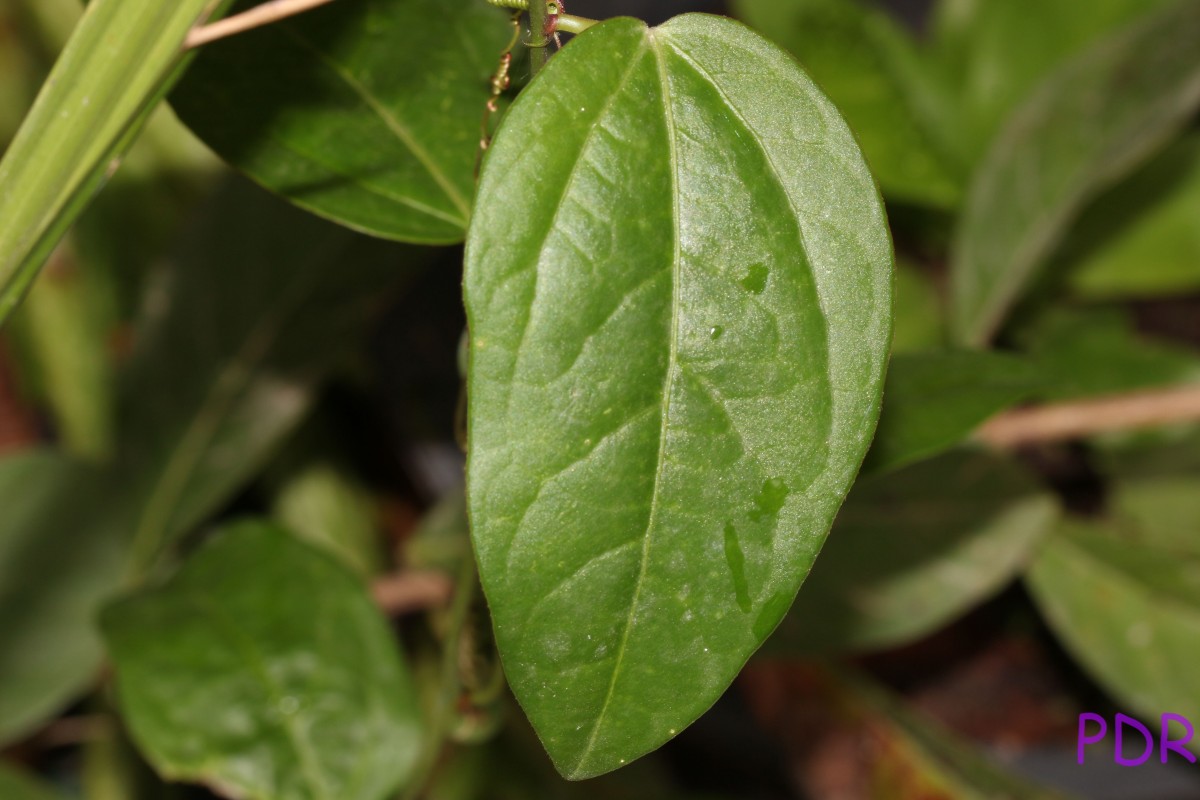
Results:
<point x="406" y="592"/>
<point x="1076" y="419"/>
<point x="265" y="14"/>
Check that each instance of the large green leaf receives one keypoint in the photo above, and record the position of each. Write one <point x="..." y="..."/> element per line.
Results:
<point x="366" y="112"/>
<point x="123" y="56"/>
<point x="871" y="69"/>
<point x="1141" y="239"/>
<point x="678" y="285"/>
<point x="262" y="302"/>
<point x="263" y="667"/>
<point x="934" y="400"/>
<point x="914" y="549"/>
<point x="1090" y="124"/>
<point x="1128" y="611"/>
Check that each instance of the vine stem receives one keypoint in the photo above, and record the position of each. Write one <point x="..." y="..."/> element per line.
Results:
<point x="1059" y="422"/>
<point x="406" y="592"/>
<point x="539" y="40"/>
<point x="260" y="15"/>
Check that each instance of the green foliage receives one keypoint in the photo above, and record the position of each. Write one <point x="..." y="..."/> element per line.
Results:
<point x="994" y="54"/>
<point x="61" y="554"/>
<point x="260" y="305"/>
<point x="1127" y="609"/>
<point x="263" y="667"/>
<point x="679" y="287"/>
<point x="359" y="112"/>
<point x="934" y="400"/>
<point x="666" y="510"/>
<point x="1096" y="120"/>
<point x="89" y="112"/>
<point x="15" y="785"/>
<point x="912" y="550"/>
<point x="891" y="98"/>
<point x="1140" y="239"/>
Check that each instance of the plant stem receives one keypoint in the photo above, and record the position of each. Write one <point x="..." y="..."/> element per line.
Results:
<point x="411" y="591"/>
<point x="1076" y="419"/>
<point x="539" y="42"/>
<point x="265" y="14"/>
<point x="569" y="23"/>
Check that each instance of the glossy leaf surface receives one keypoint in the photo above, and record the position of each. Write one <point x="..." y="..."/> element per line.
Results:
<point x="680" y="314"/>
<point x="367" y="113"/>
<point x="88" y="113"/>
<point x="1127" y="610"/>
<point x="912" y="550"/>
<point x="1090" y="124"/>
<point x="934" y="400"/>
<point x="872" y="70"/>
<point x="263" y="667"/>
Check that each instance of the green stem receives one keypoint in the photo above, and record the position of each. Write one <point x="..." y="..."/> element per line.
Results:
<point x="538" y="42"/>
<point x="569" y="23"/>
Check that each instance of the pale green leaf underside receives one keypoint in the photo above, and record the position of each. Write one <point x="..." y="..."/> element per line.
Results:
<point x="678" y="283"/>
<point x="264" y="668"/>
<point x="1090" y="124"/>
<point x="1127" y="610"/>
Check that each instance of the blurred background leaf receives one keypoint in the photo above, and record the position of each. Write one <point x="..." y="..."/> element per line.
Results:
<point x="15" y="785"/>
<point x="262" y="302"/>
<point x="1141" y="238"/>
<point x="914" y="549"/>
<point x="994" y="53"/>
<point x="1097" y="351"/>
<point x="871" y="69"/>
<point x="1127" y="608"/>
<point x="1094" y="121"/>
<point x="88" y="113"/>
<point x="367" y="113"/>
<point x="934" y="400"/>
<point x="264" y="668"/>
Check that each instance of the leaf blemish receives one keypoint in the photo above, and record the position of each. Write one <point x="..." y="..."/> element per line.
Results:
<point x="737" y="567"/>
<point x="755" y="281"/>
<point x="770" y="500"/>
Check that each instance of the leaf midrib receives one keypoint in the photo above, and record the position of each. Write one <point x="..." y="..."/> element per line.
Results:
<point x="653" y="46"/>
<point x="398" y="128"/>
